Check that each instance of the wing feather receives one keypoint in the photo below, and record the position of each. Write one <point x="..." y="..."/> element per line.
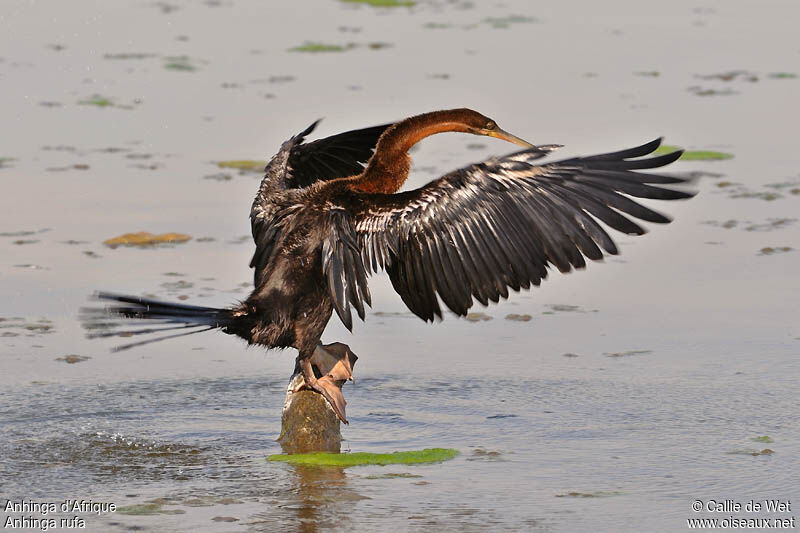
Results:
<point x="500" y="224"/>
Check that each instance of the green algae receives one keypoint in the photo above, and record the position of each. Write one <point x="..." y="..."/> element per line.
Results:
<point x="179" y="63"/>
<point x="97" y="101"/>
<point x="382" y="3"/>
<point x="693" y="155"/>
<point x="344" y="460"/>
<point x="762" y="438"/>
<point x="782" y="75"/>
<point x="5" y="160"/>
<point x="312" y="47"/>
<point x="243" y="164"/>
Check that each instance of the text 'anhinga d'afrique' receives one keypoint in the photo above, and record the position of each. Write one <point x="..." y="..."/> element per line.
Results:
<point x="322" y="223"/>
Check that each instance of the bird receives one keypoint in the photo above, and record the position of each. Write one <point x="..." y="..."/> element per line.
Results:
<point x="330" y="213"/>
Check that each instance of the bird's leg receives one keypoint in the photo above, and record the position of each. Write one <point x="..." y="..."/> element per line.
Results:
<point x="325" y="386"/>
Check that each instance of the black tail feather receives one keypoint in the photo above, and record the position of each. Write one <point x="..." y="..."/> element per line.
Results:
<point x="106" y="321"/>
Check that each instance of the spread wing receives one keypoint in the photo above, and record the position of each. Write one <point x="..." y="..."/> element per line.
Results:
<point x="337" y="156"/>
<point x="298" y="165"/>
<point x="479" y="230"/>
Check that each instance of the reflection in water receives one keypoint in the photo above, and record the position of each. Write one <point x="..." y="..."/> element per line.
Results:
<point x="318" y="498"/>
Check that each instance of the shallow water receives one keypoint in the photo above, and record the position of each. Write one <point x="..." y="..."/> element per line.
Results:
<point x="637" y="386"/>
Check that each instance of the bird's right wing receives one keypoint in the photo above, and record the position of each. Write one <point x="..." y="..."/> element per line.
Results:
<point x="479" y="230"/>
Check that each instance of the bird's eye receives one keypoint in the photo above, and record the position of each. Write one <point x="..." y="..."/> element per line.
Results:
<point x="491" y="125"/>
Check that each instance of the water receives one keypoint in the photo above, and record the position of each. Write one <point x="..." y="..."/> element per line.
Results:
<point x="686" y="344"/>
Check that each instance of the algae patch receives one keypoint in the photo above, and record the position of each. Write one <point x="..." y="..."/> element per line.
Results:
<point x="344" y="460"/>
<point x="477" y="317"/>
<point x="144" y="238"/>
<point x="763" y="438"/>
<point x="72" y="358"/>
<point x="315" y="47"/>
<point x="243" y="165"/>
<point x="694" y="155"/>
<point x="97" y="101"/>
<point x="771" y="250"/>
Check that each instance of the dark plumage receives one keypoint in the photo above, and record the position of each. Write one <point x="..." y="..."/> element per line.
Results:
<point x="322" y="223"/>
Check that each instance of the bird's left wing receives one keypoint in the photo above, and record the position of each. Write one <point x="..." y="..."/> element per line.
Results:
<point x="337" y="156"/>
<point x="479" y="230"/>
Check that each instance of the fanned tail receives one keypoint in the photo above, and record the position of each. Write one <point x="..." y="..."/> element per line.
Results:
<point x="157" y="315"/>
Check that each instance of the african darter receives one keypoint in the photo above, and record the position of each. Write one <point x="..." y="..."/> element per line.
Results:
<point x="322" y="223"/>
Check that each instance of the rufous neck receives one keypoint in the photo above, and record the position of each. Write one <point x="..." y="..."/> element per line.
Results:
<point x="388" y="168"/>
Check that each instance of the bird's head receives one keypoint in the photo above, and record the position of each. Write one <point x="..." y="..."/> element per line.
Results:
<point x="478" y="124"/>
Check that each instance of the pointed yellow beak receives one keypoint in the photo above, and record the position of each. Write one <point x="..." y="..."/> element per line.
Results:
<point x="504" y="135"/>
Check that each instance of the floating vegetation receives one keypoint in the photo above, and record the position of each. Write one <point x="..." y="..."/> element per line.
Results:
<point x="128" y="55"/>
<point x="477" y="317"/>
<point x="72" y="359"/>
<point x="565" y="308"/>
<point x="246" y="165"/>
<point x="771" y="224"/>
<point x="482" y="454"/>
<point x="792" y="187"/>
<point x="647" y="73"/>
<point x="595" y="494"/>
<point x="436" y="26"/>
<point x="701" y="91"/>
<point x="728" y="224"/>
<point x="344" y="460"/>
<point x="782" y="75"/>
<point x="177" y="285"/>
<point x="4" y="162"/>
<point x="97" y="101"/>
<point x="42" y="326"/>
<point x="731" y="75"/>
<point x="506" y="22"/>
<point x="382" y="3"/>
<point x="693" y="155"/>
<point x="569" y="355"/>
<point x="315" y="47"/>
<point x="22" y="233"/>
<point x="627" y="353"/>
<point x="763" y="438"/>
<point x="219" y="176"/>
<point x="772" y="250"/>
<point x="144" y="238"/>
<point x="179" y="63"/>
<point x="754" y="453"/>
<point x="518" y="318"/>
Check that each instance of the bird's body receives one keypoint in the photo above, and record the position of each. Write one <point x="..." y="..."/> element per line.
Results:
<point x="322" y="223"/>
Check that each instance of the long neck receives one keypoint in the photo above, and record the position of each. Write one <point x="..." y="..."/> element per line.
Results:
<point x="389" y="166"/>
